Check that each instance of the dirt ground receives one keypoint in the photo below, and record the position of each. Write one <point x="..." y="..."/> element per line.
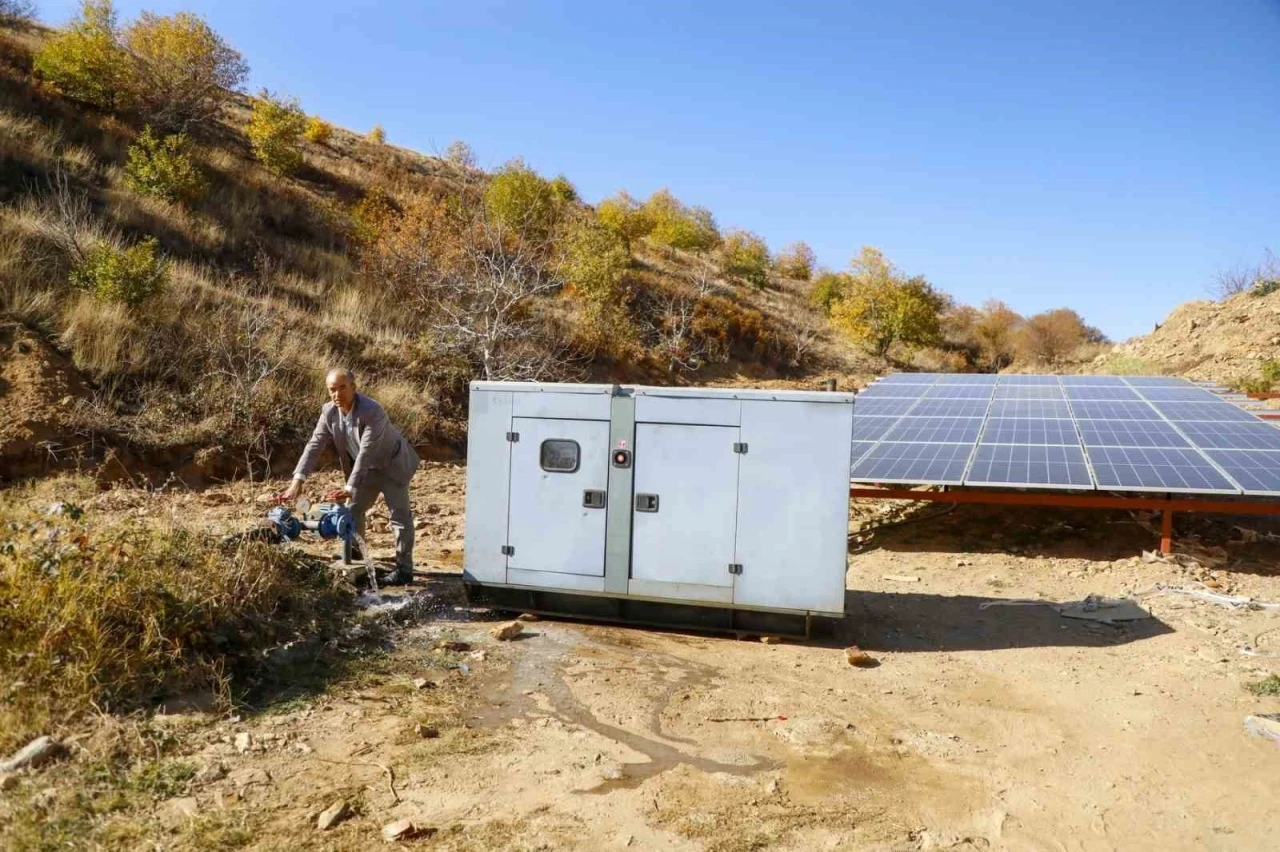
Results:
<point x="981" y="727"/>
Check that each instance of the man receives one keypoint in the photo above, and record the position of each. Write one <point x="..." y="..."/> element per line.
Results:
<point x="374" y="456"/>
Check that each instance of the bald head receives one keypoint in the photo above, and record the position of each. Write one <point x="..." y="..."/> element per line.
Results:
<point x="341" y="383"/>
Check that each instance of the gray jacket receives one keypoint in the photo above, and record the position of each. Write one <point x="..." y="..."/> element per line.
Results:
<point x="382" y="447"/>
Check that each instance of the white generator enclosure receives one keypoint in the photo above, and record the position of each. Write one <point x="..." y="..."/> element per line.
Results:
<point x="608" y="501"/>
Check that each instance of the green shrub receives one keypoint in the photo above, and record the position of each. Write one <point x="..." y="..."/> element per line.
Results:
<point x="828" y="289"/>
<point x="563" y="190"/>
<point x="129" y="276"/>
<point x="318" y="130"/>
<point x="164" y="168"/>
<point x="678" y="226"/>
<point x="593" y="260"/>
<point x="521" y="199"/>
<point x="625" y="215"/>
<point x="1265" y="288"/>
<point x="745" y="255"/>
<point x="275" y="129"/>
<point x="1271" y="372"/>
<point x="796" y="261"/>
<point x="1269" y="686"/>
<point x="183" y="70"/>
<point x="86" y="61"/>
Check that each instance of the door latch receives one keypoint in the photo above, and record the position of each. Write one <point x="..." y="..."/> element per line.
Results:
<point x="513" y="437"/>
<point x="735" y="568"/>
<point x="508" y="550"/>
<point x="646" y="502"/>
<point x="593" y="498"/>
<point x="740" y="448"/>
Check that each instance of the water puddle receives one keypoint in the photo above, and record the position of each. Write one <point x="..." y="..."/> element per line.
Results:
<point x="540" y="685"/>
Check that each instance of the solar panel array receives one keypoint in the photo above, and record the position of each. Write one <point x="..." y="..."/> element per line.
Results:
<point x="1112" y="433"/>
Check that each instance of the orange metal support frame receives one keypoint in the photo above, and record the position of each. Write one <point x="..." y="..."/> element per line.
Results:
<point x="1165" y="505"/>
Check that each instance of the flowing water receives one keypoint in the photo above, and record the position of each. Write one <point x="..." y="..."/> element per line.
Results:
<point x="370" y="571"/>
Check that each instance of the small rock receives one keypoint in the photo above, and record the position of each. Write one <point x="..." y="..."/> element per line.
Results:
<point x="426" y="732"/>
<point x="478" y="656"/>
<point x="33" y="755"/>
<point x="180" y="809"/>
<point x="452" y="645"/>
<point x="405" y="829"/>
<point x="422" y="683"/>
<point x="303" y="748"/>
<point x="771" y="640"/>
<point x="773" y="787"/>
<point x="211" y="773"/>
<point x="334" y="814"/>
<point x="612" y="772"/>
<point x="528" y="616"/>
<point x="244" y="742"/>
<point x="858" y="657"/>
<point x="507" y="632"/>
<point x="8" y="781"/>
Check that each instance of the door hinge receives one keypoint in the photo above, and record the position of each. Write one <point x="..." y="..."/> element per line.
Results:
<point x="512" y="437"/>
<point x="740" y="448"/>
<point x="735" y="568"/>
<point x="508" y="550"/>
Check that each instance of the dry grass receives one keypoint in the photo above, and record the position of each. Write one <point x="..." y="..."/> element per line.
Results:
<point x="109" y="616"/>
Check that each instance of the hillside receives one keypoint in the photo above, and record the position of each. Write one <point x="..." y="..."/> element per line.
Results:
<point x="1228" y="341"/>
<point x="271" y="278"/>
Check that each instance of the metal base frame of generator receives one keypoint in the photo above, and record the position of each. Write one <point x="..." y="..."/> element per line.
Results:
<point x="637" y="612"/>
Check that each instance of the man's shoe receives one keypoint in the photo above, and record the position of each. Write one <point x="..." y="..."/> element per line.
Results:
<point x="401" y="576"/>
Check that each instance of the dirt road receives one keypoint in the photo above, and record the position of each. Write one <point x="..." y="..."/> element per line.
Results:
<point x="982" y="727"/>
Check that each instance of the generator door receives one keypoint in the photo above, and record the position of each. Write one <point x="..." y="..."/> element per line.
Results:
<point x="686" y="496"/>
<point x="559" y="477"/>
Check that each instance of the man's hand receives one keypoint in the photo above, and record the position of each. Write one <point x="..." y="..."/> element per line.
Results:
<point x="338" y="495"/>
<point x="290" y="494"/>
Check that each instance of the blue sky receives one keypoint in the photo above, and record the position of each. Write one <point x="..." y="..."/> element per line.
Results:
<point x="1106" y="156"/>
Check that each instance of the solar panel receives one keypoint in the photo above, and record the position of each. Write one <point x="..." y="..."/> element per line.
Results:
<point x="949" y="408"/>
<point x="871" y="428"/>
<point x="1157" y="381"/>
<point x="1220" y="411"/>
<point x="899" y="391"/>
<point x="1092" y="380"/>
<point x="1015" y="379"/>
<point x="1028" y="392"/>
<point x="958" y="392"/>
<point x="1232" y="435"/>
<point x="1156" y="469"/>
<point x="1180" y="395"/>
<point x="1029" y="408"/>
<point x="1257" y="471"/>
<point x="1130" y="433"/>
<point x="1098" y="409"/>
<point x="1023" y="466"/>
<point x="911" y="378"/>
<point x="966" y="379"/>
<point x="1001" y="430"/>
<point x="942" y="464"/>
<point x="1075" y="392"/>
<point x="881" y="407"/>
<point x="860" y="449"/>
<point x="936" y="430"/>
